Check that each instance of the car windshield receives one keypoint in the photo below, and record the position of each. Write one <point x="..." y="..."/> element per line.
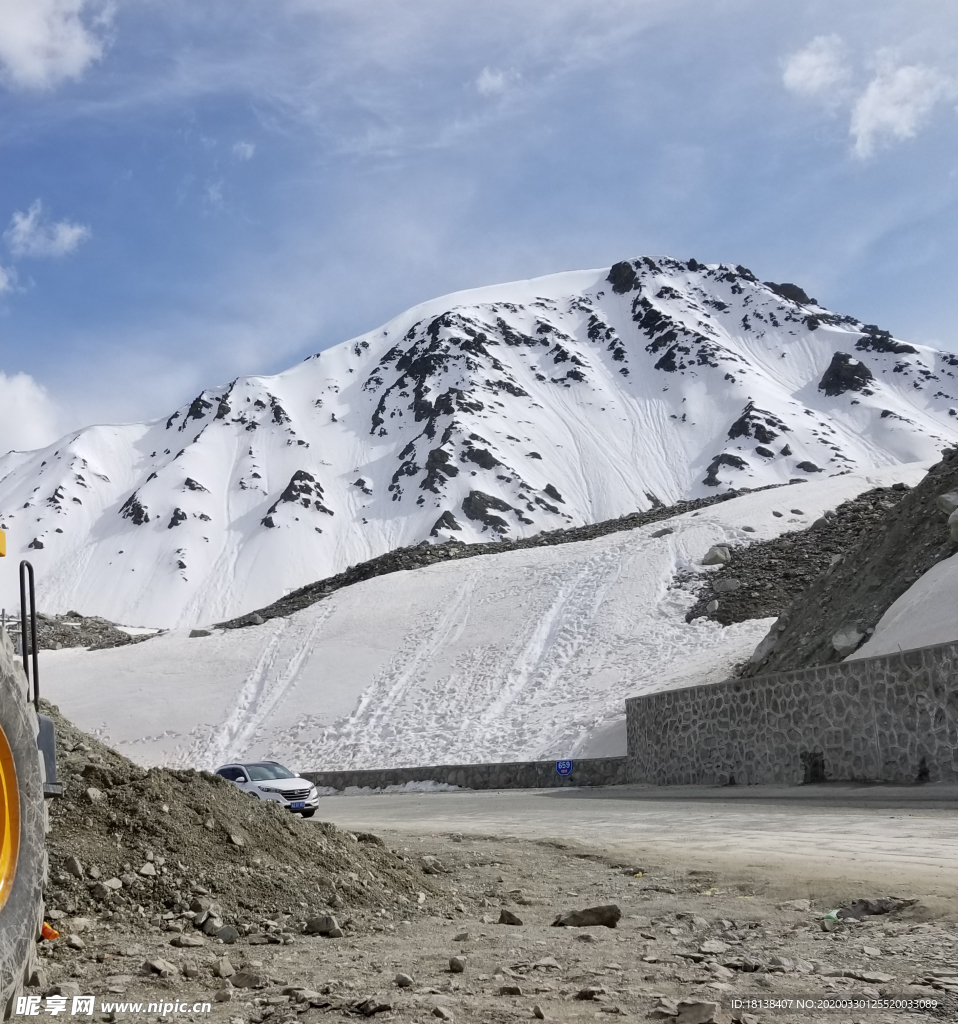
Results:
<point x="265" y="772"/>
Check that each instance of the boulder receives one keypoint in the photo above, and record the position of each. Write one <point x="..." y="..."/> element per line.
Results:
<point x="953" y="525"/>
<point x="847" y="640"/>
<point x="726" y="586"/>
<point x="507" y="917"/>
<point x="325" y="924"/>
<point x="948" y="502"/>
<point x="717" y="554"/>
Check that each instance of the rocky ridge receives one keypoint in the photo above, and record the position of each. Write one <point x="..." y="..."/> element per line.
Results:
<point x="423" y="554"/>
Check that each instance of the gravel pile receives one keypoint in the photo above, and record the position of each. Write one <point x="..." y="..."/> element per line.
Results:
<point x="763" y="579"/>
<point x="130" y="845"/>
<point x="76" y="630"/>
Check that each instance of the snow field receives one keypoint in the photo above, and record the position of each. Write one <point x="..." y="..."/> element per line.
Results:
<point x="523" y="655"/>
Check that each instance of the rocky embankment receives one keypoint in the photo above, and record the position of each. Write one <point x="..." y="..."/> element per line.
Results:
<point x="763" y="579"/>
<point x="877" y="563"/>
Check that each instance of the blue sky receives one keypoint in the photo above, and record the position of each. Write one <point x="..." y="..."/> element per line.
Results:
<point x="197" y="190"/>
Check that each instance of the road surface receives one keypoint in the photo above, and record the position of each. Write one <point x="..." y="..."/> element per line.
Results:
<point x="901" y="839"/>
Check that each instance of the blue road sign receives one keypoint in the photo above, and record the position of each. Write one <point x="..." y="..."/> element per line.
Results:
<point x="564" y="767"/>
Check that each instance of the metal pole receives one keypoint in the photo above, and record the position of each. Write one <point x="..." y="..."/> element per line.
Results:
<point x="26" y="573"/>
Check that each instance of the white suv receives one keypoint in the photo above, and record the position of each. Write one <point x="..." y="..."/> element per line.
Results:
<point x="269" y="780"/>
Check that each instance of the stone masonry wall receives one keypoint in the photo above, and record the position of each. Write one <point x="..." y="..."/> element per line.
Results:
<point x="888" y="719"/>
<point x="595" y="771"/>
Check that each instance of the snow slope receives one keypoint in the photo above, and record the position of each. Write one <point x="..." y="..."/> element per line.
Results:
<point x="524" y="654"/>
<point x="924" y="615"/>
<point x="503" y="411"/>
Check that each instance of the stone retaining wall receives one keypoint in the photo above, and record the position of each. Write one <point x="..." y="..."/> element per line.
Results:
<point x="888" y="719"/>
<point x="594" y="771"/>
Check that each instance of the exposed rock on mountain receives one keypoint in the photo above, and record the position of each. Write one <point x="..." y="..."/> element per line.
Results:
<point x="500" y="412"/>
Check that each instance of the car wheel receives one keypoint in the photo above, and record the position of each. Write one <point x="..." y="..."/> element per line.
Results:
<point x="308" y="814"/>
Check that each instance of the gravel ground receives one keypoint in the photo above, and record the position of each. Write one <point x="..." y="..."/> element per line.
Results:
<point x="684" y="936"/>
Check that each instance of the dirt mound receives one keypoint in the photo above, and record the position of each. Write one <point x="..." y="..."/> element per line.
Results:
<point x="130" y="844"/>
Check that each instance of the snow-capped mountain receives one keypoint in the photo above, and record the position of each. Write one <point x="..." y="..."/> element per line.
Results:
<point x="503" y="411"/>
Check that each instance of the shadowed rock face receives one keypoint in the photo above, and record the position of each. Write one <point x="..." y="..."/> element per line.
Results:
<point x="845" y="374"/>
<point x="853" y="594"/>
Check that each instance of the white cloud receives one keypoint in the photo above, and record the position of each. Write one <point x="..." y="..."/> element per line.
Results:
<point x="244" y="150"/>
<point x="8" y="279"/>
<point x="28" y="417"/>
<point x="43" y="42"/>
<point x="30" y="235"/>
<point x="819" y="70"/>
<point x="494" y="82"/>
<point x="896" y="103"/>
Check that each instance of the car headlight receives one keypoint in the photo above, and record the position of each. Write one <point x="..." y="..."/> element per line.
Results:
<point x="313" y="792"/>
<point x="268" y="789"/>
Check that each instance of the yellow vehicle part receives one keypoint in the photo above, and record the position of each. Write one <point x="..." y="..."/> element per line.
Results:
<point x="3" y="542"/>
<point x="9" y="819"/>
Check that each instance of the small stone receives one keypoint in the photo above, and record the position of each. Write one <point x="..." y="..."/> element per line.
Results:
<point x="456" y="964"/>
<point x="245" y="979"/>
<point x="538" y="1012"/>
<point x="162" y="967"/>
<point x="726" y="586"/>
<point x="325" y="924"/>
<point x="510" y="990"/>
<point x="798" y="905"/>
<point x="147" y="871"/>
<point x="65" y="988"/>
<point x="75" y="942"/>
<point x="187" y="941"/>
<point x="212" y="925"/>
<point x="73" y="867"/>
<point x="81" y="924"/>
<point x="462" y="937"/>
<point x="38" y="979"/>
<point x="194" y="633"/>
<point x="223" y="995"/>
<point x="877" y="977"/>
<point x="403" y="980"/>
<point x="227" y="934"/>
<point x="507" y="917"/>
<point x="592" y="992"/>
<point x="256" y="619"/>
<point x="432" y="866"/>
<point x="607" y="916"/>
<point x="714" y="946"/>
<point x="712" y="607"/>
<point x="95" y="795"/>
<point x="236" y="839"/>
<point x="871" y="951"/>
<point x="222" y="968"/>
<point x="696" y="1011"/>
<point x="441" y="1013"/>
